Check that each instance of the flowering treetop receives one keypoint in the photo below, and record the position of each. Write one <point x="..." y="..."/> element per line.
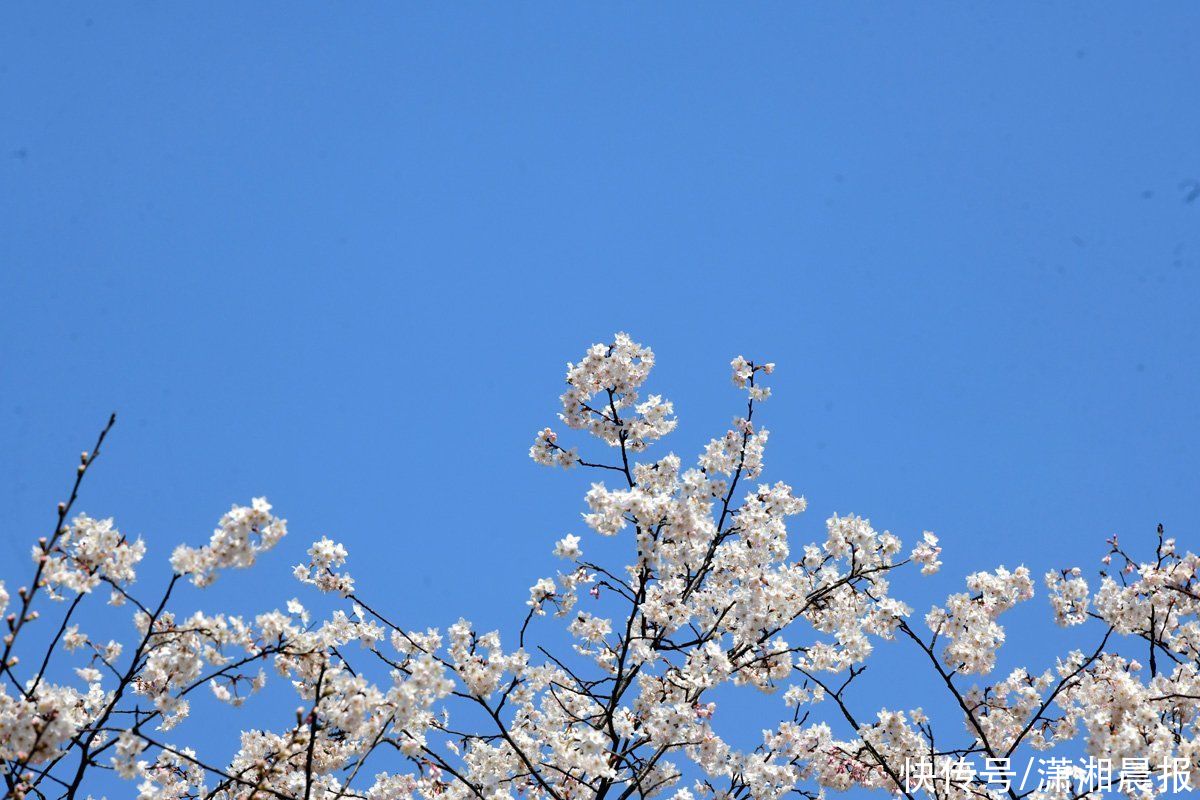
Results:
<point x="711" y="593"/>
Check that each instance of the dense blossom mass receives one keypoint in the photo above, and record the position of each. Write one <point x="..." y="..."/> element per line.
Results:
<point x="712" y="595"/>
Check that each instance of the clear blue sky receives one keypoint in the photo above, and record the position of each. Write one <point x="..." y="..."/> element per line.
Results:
<point x="339" y="254"/>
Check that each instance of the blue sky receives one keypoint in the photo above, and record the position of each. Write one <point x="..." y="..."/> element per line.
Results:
<point x="340" y="254"/>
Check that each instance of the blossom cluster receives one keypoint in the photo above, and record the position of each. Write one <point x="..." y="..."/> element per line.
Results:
<point x="86" y="553"/>
<point x="241" y="536"/>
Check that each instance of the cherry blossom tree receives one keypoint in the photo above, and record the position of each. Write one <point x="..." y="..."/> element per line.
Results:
<point x="711" y="593"/>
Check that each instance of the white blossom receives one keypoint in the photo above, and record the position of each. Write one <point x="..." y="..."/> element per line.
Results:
<point x="568" y="547"/>
<point x="926" y="554"/>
